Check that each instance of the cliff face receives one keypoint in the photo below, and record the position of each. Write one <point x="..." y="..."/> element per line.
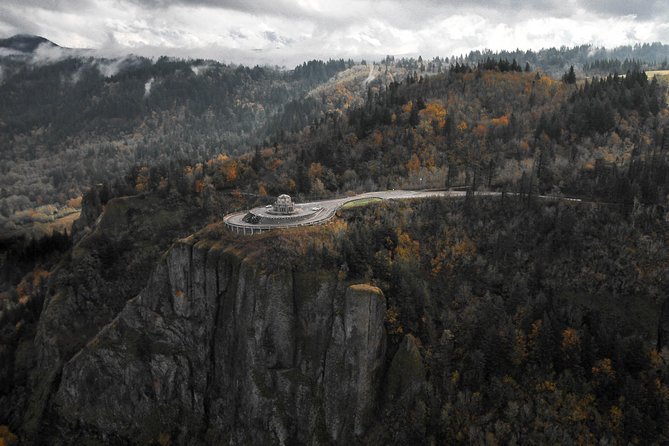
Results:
<point x="217" y="349"/>
<point x="663" y="327"/>
<point x="91" y="285"/>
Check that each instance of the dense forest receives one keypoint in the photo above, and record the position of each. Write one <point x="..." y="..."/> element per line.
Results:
<point x="535" y="321"/>
<point x="604" y="139"/>
<point x="80" y="121"/>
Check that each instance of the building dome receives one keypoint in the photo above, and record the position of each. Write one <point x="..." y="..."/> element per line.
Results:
<point x="284" y="205"/>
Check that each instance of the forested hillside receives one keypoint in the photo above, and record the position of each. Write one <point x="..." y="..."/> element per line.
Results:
<point x="603" y="139"/>
<point x="69" y="120"/>
<point x="78" y="121"/>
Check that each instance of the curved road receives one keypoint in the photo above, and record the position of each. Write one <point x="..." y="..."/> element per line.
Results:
<point x="328" y="208"/>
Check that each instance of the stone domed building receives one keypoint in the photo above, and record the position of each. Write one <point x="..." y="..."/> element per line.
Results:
<point x="283" y="205"/>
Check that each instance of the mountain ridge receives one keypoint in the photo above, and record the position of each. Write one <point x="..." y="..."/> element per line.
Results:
<point x="26" y="43"/>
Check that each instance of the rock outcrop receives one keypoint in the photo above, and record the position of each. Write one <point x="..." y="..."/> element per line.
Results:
<point x="217" y="350"/>
<point x="663" y="327"/>
<point x="109" y="266"/>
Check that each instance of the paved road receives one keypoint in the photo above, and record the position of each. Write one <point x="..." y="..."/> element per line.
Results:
<point x="329" y="207"/>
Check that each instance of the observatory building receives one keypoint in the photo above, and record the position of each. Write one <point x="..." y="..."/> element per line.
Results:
<point x="282" y="214"/>
<point x="283" y="205"/>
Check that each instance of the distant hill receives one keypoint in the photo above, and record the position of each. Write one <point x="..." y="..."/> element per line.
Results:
<point x="25" y="43"/>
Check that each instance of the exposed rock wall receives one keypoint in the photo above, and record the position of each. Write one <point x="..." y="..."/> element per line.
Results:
<point x="216" y="350"/>
<point x="663" y="327"/>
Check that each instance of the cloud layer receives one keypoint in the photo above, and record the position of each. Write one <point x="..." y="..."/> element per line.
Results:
<point x="284" y="32"/>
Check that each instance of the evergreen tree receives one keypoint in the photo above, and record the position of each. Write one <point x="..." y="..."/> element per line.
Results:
<point x="569" y="77"/>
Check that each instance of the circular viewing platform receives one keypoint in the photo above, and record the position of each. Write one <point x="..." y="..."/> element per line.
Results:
<point x="282" y="214"/>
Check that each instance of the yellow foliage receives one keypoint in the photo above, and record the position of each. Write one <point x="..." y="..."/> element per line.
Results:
<point x="616" y="414"/>
<point x="230" y="172"/>
<point x="199" y="169"/>
<point x="392" y="320"/>
<point x="407" y="248"/>
<point x="501" y="121"/>
<point x="462" y="126"/>
<point x="581" y="408"/>
<point x="142" y="180"/>
<point x="406" y="108"/>
<point x="455" y="377"/>
<point x="261" y="190"/>
<point x="434" y="111"/>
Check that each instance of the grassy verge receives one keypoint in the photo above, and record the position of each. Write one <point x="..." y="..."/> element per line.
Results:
<point x="361" y="202"/>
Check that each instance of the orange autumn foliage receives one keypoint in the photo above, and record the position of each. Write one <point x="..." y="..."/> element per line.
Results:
<point x="75" y="202"/>
<point x="230" y="171"/>
<point x="199" y="186"/>
<point x="434" y="111"/>
<point x="502" y="121"/>
<point x="570" y="339"/>
<point x="413" y="165"/>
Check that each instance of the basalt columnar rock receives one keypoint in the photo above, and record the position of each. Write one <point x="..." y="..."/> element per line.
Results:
<point x="219" y="350"/>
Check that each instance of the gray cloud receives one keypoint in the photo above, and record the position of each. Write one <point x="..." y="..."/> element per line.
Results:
<point x="644" y="9"/>
<point x="558" y="8"/>
<point x="287" y="32"/>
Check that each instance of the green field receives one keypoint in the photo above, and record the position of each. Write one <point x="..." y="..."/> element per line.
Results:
<point x="662" y="76"/>
<point x="361" y="202"/>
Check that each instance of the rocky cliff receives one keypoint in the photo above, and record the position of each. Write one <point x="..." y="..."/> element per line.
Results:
<point x="663" y="327"/>
<point x="91" y="285"/>
<point x="218" y="349"/>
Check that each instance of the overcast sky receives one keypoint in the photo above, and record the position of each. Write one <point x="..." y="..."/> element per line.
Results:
<point x="286" y="32"/>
